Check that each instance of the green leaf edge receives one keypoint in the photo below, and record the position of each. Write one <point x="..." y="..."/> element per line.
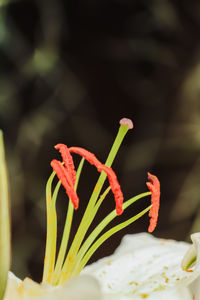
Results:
<point x="5" y="235"/>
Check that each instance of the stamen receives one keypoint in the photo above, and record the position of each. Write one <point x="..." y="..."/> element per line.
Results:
<point x="114" y="184"/>
<point x="70" y="265"/>
<point x="68" y="161"/>
<point x="154" y="187"/>
<point x="66" y="181"/>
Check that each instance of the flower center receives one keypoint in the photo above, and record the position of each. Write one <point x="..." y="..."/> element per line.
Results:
<point x="69" y="265"/>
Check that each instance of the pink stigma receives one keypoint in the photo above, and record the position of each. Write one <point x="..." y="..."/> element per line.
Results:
<point x="127" y="122"/>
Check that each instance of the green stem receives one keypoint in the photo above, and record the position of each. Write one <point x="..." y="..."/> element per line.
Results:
<point x="101" y="198"/>
<point x="89" y="212"/>
<point x="51" y="236"/>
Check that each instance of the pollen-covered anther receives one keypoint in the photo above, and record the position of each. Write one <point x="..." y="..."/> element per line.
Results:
<point x="127" y="122"/>
<point x="154" y="186"/>
<point x="68" y="161"/>
<point x="66" y="181"/>
<point x="112" y="178"/>
<point x="115" y="187"/>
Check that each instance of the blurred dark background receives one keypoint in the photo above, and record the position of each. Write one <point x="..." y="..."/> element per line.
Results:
<point x="69" y="71"/>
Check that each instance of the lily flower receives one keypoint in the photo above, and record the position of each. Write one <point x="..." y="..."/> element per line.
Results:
<point x="142" y="267"/>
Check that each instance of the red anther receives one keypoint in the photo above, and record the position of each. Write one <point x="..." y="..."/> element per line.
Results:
<point x="154" y="187"/>
<point x="114" y="184"/>
<point x="66" y="181"/>
<point x="115" y="187"/>
<point x="68" y="161"/>
<point x="89" y="156"/>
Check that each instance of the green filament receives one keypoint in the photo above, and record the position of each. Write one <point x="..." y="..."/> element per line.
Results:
<point x="50" y="252"/>
<point x="66" y="232"/>
<point x="87" y="244"/>
<point x="108" y="234"/>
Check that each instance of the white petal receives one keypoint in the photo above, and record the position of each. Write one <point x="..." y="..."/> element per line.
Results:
<point x="82" y="288"/>
<point x="144" y="267"/>
<point x="193" y="282"/>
